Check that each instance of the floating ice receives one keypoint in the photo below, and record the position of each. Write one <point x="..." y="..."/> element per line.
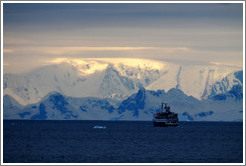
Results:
<point x="99" y="127"/>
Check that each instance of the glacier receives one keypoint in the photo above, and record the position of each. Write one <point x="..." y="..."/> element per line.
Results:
<point x="105" y="89"/>
<point x="116" y="81"/>
<point x="107" y="79"/>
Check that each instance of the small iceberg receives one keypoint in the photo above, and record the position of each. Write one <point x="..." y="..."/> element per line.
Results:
<point x="99" y="127"/>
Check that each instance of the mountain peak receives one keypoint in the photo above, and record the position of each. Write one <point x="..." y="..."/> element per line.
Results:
<point x="175" y="91"/>
<point x="141" y="90"/>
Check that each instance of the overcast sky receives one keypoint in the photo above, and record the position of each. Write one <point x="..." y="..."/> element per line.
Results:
<point x="187" y="34"/>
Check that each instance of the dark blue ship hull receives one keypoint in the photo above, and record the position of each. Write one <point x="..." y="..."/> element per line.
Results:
<point x="164" y="124"/>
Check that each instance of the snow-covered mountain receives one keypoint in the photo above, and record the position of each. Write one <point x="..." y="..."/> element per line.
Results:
<point x="144" y="103"/>
<point x="118" y="79"/>
<point x="85" y="78"/>
<point x="58" y="107"/>
<point x="198" y="81"/>
<point x="232" y="83"/>
<point x="139" y="106"/>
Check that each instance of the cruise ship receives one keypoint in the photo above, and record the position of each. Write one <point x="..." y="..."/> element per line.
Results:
<point x="165" y="118"/>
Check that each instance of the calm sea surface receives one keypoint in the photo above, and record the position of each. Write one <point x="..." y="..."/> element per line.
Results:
<point x="121" y="142"/>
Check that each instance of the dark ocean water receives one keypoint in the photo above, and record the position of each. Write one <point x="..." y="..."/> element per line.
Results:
<point x="121" y="142"/>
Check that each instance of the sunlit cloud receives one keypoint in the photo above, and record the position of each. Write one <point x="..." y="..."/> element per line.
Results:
<point x="88" y="66"/>
<point x="225" y="64"/>
<point x="185" y="34"/>
<point x="176" y="49"/>
<point x="84" y="66"/>
<point x="12" y="40"/>
<point x="72" y="50"/>
<point x="75" y="50"/>
<point x="133" y="62"/>
<point x="5" y="64"/>
<point x="8" y="51"/>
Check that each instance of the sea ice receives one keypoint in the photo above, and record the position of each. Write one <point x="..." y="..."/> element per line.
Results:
<point x="99" y="127"/>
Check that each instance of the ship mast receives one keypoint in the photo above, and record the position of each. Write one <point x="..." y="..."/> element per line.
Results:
<point x="165" y="106"/>
<point x="162" y="106"/>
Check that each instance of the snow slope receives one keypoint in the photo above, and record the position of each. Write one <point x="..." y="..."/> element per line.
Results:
<point x="82" y="79"/>
<point x="118" y="79"/>
<point x="197" y="81"/>
<point x="56" y="106"/>
<point x="139" y="106"/>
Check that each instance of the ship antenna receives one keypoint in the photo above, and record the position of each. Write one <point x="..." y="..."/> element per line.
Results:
<point x="162" y="105"/>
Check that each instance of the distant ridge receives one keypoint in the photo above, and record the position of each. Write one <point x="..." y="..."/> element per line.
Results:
<point x="139" y="106"/>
